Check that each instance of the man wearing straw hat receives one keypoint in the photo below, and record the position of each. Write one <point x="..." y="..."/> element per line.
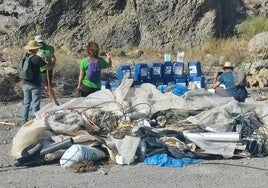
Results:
<point x="32" y="86"/>
<point x="233" y="82"/>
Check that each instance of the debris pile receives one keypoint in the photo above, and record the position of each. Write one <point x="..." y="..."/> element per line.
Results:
<point x="142" y="124"/>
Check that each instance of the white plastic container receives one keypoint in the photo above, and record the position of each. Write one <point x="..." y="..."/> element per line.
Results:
<point x="167" y="56"/>
<point x="78" y="153"/>
<point x="180" y="56"/>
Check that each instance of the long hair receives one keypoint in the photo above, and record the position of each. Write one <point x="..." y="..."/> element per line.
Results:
<point x="92" y="49"/>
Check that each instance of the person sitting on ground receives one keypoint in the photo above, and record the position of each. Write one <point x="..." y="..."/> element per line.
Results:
<point x="90" y="70"/>
<point x="32" y="86"/>
<point x="46" y="52"/>
<point x="234" y="85"/>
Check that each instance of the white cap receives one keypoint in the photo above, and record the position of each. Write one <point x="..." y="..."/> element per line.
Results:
<point x="39" y="38"/>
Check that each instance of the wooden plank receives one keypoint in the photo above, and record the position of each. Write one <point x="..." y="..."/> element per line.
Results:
<point x="6" y="123"/>
<point x="51" y="92"/>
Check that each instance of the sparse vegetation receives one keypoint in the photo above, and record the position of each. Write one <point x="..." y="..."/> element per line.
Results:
<point x="253" y="26"/>
<point x="67" y="64"/>
<point x="232" y="49"/>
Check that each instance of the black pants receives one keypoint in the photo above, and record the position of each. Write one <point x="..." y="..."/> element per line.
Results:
<point x="85" y="91"/>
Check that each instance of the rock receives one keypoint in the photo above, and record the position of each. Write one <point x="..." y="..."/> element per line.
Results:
<point x="9" y="71"/>
<point x="160" y="24"/>
<point x="258" y="76"/>
<point x="258" y="46"/>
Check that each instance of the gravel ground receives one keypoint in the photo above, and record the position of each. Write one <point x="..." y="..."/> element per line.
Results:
<point x="243" y="172"/>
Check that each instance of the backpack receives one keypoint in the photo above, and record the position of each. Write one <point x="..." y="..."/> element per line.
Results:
<point x="26" y="72"/>
<point x="93" y="72"/>
<point x="240" y="78"/>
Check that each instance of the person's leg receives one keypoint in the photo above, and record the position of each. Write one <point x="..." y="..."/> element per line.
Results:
<point x="36" y="99"/>
<point x="85" y="91"/>
<point x="222" y="92"/>
<point x="27" y="98"/>
<point x="241" y="95"/>
<point x="44" y="79"/>
<point x="82" y="93"/>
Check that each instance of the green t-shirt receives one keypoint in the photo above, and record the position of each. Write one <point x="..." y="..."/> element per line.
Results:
<point x="46" y="53"/>
<point x="84" y="67"/>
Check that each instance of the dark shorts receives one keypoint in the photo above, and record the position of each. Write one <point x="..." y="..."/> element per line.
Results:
<point x="85" y="91"/>
<point x="222" y="92"/>
<point x="240" y="96"/>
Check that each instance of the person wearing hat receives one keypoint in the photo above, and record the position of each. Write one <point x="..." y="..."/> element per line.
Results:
<point x="46" y="52"/>
<point x="32" y="86"/>
<point x="232" y="83"/>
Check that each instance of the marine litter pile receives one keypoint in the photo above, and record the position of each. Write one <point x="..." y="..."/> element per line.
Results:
<point x="141" y="124"/>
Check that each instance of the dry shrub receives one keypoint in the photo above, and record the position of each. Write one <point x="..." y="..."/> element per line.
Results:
<point x="67" y="64"/>
<point x="13" y="55"/>
<point x="231" y="49"/>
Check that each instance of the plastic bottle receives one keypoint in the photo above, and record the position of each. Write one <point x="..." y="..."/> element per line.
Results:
<point x="167" y="56"/>
<point x="180" y="56"/>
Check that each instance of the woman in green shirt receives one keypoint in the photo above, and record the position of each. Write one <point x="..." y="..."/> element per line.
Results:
<point x="87" y="86"/>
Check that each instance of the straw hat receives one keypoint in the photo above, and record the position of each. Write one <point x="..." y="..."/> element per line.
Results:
<point x="228" y="65"/>
<point x="32" y="45"/>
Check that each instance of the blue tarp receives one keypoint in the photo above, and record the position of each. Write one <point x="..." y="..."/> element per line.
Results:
<point x="165" y="160"/>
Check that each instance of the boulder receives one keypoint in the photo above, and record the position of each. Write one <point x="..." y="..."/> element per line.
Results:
<point x="258" y="76"/>
<point x="258" y="46"/>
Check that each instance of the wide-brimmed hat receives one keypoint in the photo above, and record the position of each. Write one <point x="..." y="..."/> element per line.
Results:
<point x="32" y="45"/>
<point x="39" y="38"/>
<point x="228" y="65"/>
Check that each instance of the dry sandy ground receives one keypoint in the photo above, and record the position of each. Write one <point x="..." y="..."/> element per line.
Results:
<point x="251" y="173"/>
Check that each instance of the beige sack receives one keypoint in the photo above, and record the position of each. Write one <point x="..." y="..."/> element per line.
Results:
<point x="28" y="134"/>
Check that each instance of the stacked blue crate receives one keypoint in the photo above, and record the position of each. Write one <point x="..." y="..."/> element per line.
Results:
<point x="123" y="71"/>
<point x="199" y="81"/>
<point x="155" y="73"/>
<point x="179" y="75"/>
<point x="168" y="73"/>
<point x="195" y="74"/>
<point x="194" y="68"/>
<point x="140" y="73"/>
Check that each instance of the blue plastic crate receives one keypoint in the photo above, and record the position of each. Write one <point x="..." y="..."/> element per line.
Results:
<point x="155" y="70"/>
<point x="182" y="81"/>
<point x="194" y="68"/>
<point x="123" y="72"/>
<point x="140" y="72"/>
<point x="169" y="82"/>
<point x="199" y="81"/>
<point x="178" y="69"/>
<point x="167" y="70"/>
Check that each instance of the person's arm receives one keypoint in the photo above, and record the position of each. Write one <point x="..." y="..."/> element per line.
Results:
<point x="80" y="78"/>
<point x="53" y="60"/>
<point x="215" y="83"/>
<point x="109" y="58"/>
<point x="48" y="66"/>
<point x="39" y="61"/>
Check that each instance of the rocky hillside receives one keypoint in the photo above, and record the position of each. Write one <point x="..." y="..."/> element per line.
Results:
<point x="120" y="24"/>
<point x="165" y="24"/>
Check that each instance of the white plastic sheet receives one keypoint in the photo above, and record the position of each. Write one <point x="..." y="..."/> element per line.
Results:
<point x="126" y="149"/>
